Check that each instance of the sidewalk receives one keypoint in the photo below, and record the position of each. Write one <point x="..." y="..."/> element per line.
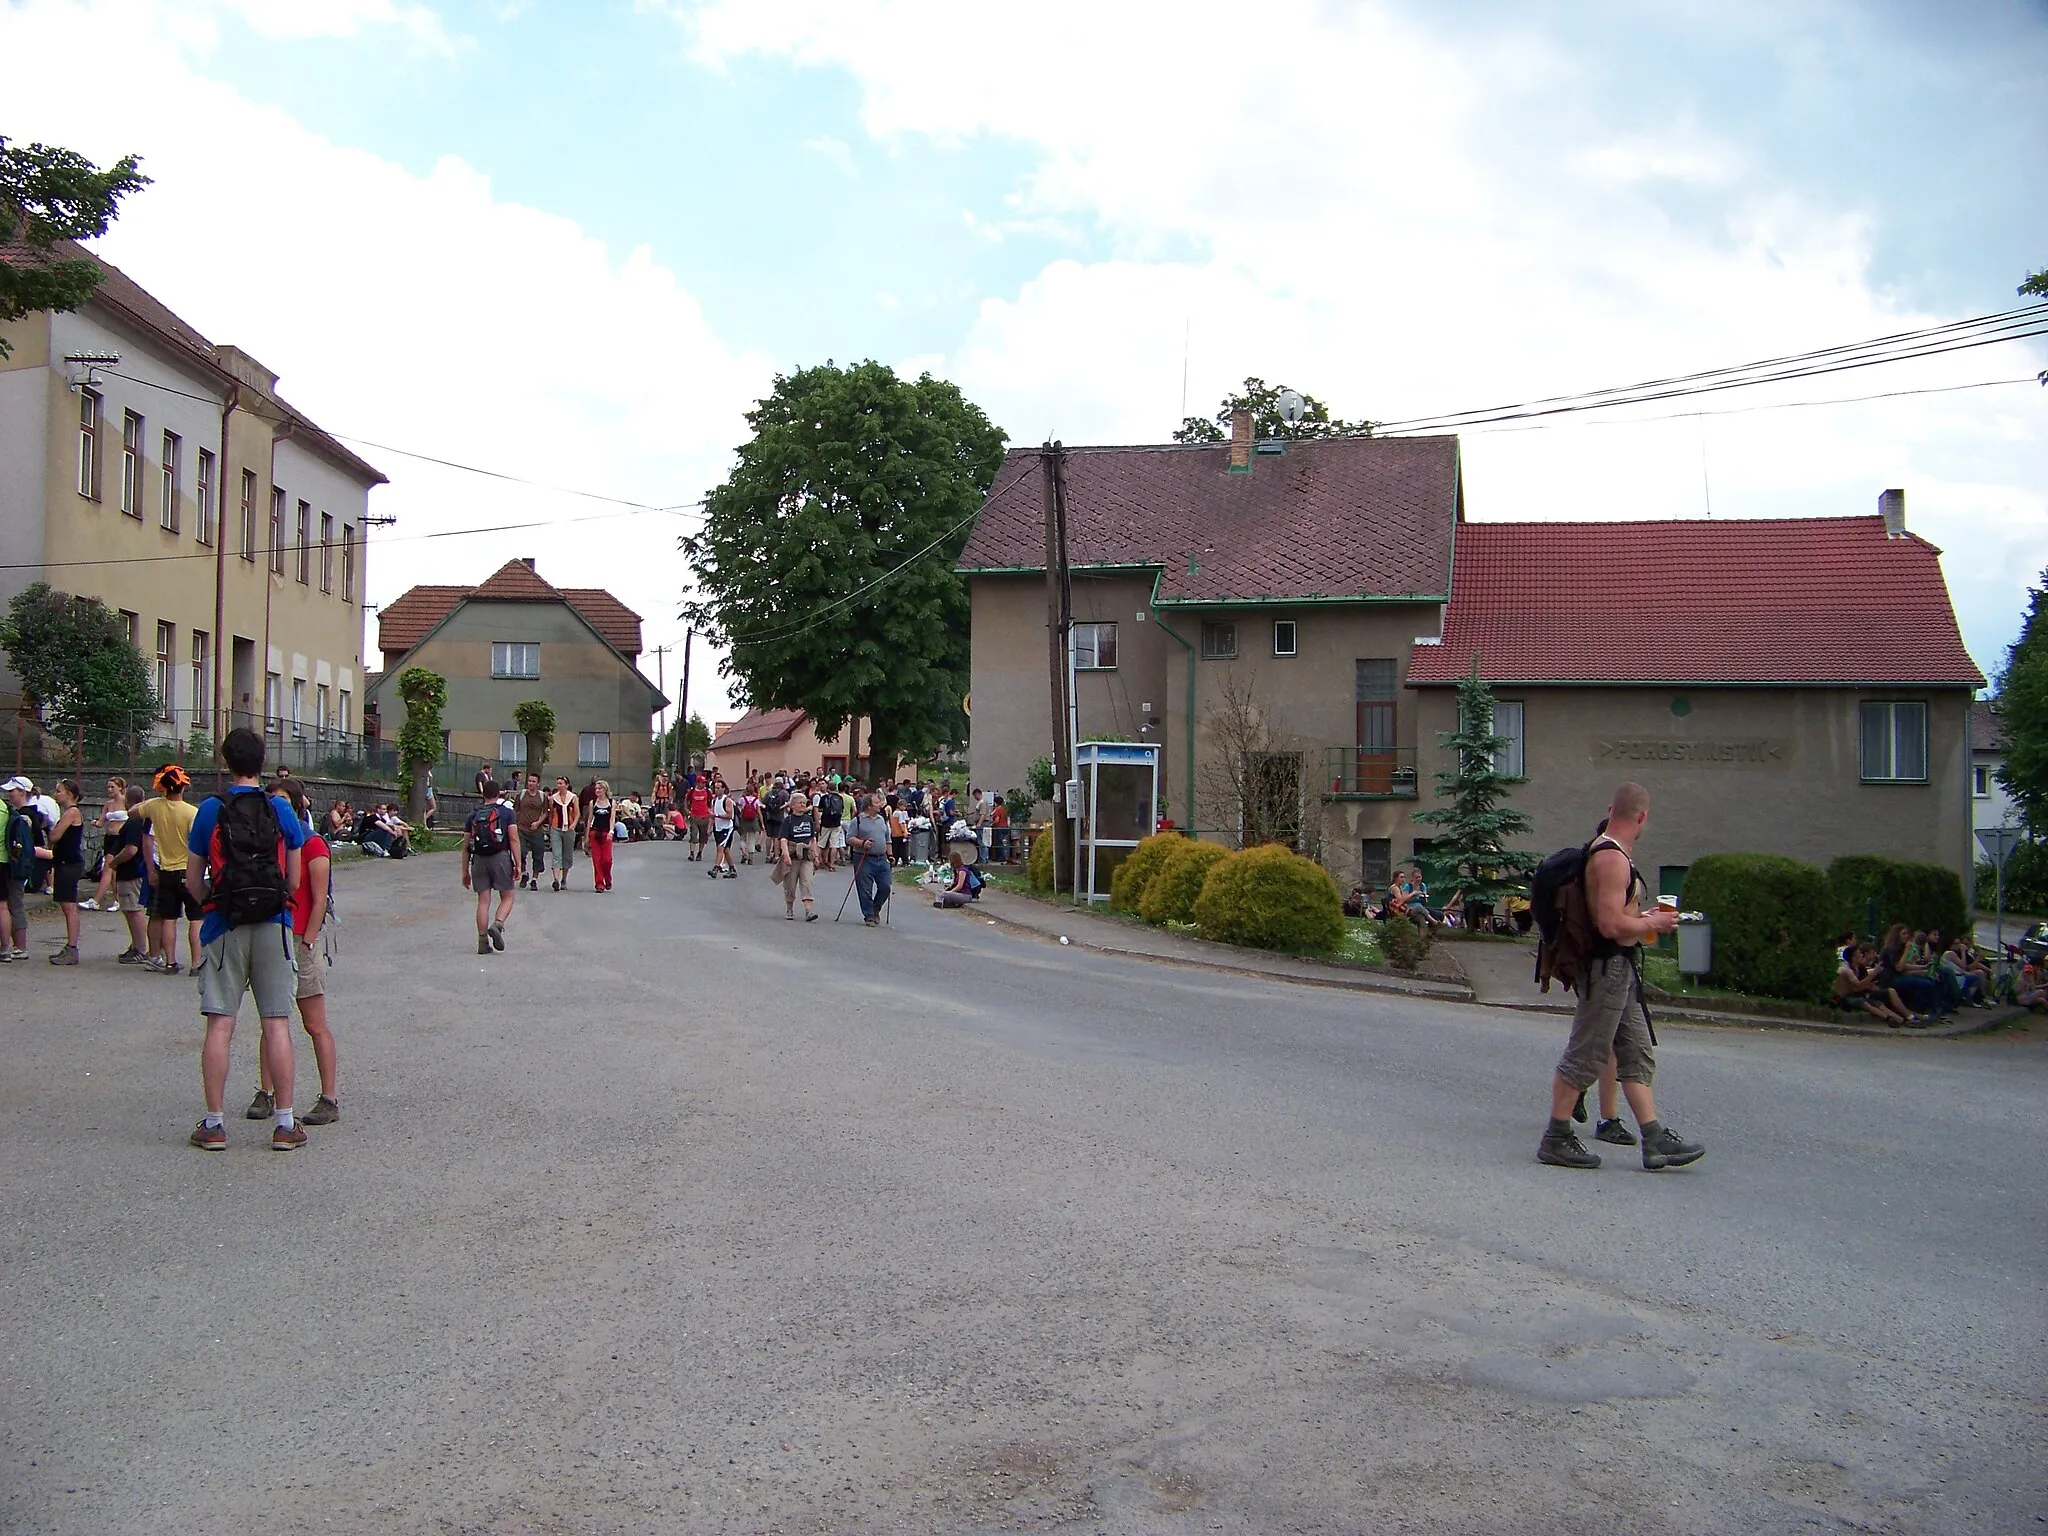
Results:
<point x="1108" y="935"/>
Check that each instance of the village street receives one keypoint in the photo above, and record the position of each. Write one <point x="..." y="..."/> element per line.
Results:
<point x="679" y="1217"/>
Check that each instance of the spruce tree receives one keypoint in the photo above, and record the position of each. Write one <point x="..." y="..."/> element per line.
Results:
<point x="1477" y="823"/>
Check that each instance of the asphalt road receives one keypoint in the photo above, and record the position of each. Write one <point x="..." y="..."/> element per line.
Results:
<point x="678" y="1217"/>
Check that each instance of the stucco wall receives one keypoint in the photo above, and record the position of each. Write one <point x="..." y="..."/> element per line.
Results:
<point x="582" y="678"/>
<point x="1770" y="770"/>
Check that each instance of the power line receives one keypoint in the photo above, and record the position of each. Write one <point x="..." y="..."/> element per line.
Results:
<point x="1779" y="405"/>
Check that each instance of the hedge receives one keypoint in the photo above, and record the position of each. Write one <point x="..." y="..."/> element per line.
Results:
<point x="1270" y="898"/>
<point x="1170" y="893"/>
<point x="2026" y="881"/>
<point x="1919" y="895"/>
<point x="1774" y="922"/>
<point x="1127" y="885"/>
<point x="1038" y="867"/>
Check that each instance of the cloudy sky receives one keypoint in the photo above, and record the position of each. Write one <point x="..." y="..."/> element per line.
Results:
<point x="572" y="243"/>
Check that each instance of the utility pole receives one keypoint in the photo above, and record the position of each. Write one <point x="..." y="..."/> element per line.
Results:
<point x="1057" y="619"/>
<point x="683" y="704"/>
<point x="661" y="682"/>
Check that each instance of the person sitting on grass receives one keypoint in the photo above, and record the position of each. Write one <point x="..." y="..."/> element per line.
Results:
<point x="341" y="821"/>
<point x="1857" y="987"/>
<point x="2030" y="989"/>
<point x="1409" y="898"/>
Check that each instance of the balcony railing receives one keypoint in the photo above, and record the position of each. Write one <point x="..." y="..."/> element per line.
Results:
<point x="1368" y="773"/>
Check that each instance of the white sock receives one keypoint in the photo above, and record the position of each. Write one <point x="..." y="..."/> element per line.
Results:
<point x="284" y="1119"/>
<point x="210" y="1119"/>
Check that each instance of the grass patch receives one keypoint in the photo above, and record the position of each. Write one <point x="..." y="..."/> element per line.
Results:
<point x="1660" y="970"/>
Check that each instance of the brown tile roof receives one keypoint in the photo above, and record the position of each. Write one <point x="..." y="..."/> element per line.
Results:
<point x="1987" y="732"/>
<point x="1813" y="600"/>
<point x="129" y="300"/>
<point x="403" y="622"/>
<point x="757" y="727"/>
<point x="1330" y="519"/>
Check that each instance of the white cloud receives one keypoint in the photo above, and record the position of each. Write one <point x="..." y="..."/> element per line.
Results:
<point x="838" y="151"/>
<point x="422" y="311"/>
<point x="1408" y="222"/>
<point x="294" y="21"/>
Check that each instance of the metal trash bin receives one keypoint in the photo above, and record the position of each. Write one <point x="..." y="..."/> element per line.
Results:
<point x="920" y="845"/>
<point x="1695" y="944"/>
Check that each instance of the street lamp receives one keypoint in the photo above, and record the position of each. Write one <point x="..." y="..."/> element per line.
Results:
<point x="1998" y="843"/>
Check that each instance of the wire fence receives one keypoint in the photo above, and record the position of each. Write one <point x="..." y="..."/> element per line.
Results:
<point x="141" y="745"/>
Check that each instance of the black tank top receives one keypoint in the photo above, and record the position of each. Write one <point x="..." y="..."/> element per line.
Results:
<point x="70" y="846"/>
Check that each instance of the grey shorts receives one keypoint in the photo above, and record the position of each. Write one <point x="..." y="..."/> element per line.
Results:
<point x="1609" y="1018"/>
<point x="312" y="961"/>
<point x="491" y="871"/>
<point x="254" y="959"/>
<point x="128" y="895"/>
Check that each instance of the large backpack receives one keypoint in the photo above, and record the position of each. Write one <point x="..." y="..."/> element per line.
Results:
<point x="1564" y="924"/>
<point x="246" y="859"/>
<point x="487" y="833"/>
<point x="750" y="808"/>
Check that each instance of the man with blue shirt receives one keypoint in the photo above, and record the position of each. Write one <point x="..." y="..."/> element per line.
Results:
<point x="245" y="938"/>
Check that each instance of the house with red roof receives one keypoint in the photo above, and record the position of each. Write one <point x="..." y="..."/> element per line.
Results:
<point x="517" y="637"/>
<point x="1794" y="686"/>
<point x="1232" y="603"/>
<point x="772" y="741"/>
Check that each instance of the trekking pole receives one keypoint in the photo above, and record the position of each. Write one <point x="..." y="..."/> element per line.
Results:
<point x="842" y="902"/>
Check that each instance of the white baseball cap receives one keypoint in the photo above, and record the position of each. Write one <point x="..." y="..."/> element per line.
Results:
<point x="17" y="782"/>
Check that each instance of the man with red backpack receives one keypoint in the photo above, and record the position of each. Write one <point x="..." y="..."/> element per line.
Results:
<point x="490" y="862"/>
<point x="1586" y="901"/>
<point x="242" y="869"/>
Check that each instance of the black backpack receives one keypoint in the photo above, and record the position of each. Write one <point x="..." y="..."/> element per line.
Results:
<point x="487" y="833"/>
<point x="246" y="860"/>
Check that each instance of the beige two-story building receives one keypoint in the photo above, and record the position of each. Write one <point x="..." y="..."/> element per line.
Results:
<point x="517" y="637"/>
<point x="146" y="466"/>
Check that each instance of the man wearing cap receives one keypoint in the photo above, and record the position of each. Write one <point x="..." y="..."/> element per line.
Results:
<point x="169" y="819"/>
<point x="17" y="862"/>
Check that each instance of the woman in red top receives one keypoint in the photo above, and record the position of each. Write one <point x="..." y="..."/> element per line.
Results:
<point x="698" y="803"/>
<point x="309" y="916"/>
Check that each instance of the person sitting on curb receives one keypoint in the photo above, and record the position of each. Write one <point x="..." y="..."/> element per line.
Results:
<point x="1857" y="987"/>
<point x="962" y="883"/>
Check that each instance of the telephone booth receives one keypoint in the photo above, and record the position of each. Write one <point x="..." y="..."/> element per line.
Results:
<point x="1119" y="782"/>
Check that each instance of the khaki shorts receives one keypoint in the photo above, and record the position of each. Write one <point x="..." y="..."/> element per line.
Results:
<point x="312" y="960"/>
<point x="253" y="959"/>
<point x="491" y="872"/>
<point x="128" y="895"/>
<point x="1609" y="1017"/>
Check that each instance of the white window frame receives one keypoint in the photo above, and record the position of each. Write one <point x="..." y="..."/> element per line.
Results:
<point x="320" y="700"/>
<point x="91" y="421"/>
<point x="1511" y="719"/>
<point x="327" y="552"/>
<point x="202" y="672"/>
<point x="342" y="712"/>
<point x="1088" y="638"/>
<point x="298" y="708"/>
<point x="348" y="562"/>
<point x="1881" y="765"/>
<point x="511" y="658"/>
<point x="273" y="694"/>
<point x="1980" y="781"/>
<point x="167" y="512"/>
<point x="203" y="494"/>
<point x="277" y="530"/>
<point x="305" y="544"/>
<point x="166" y="680"/>
<point x="587" y="750"/>
<point x="249" y="515"/>
<point x="1292" y="647"/>
<point x="512" y="749"/>
<point x="131" y="464"/>
<point x="133" y="622"/>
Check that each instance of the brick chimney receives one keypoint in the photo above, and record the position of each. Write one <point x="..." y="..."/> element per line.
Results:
<point x="1891" y="506"/>
<point x="1242" y="424"/>
<point x="527" y="561"/>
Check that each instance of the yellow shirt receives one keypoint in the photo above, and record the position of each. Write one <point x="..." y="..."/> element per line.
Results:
<point x="171" y="821"/>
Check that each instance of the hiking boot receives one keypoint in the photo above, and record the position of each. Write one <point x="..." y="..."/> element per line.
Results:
<point x="287" y="1138"/>
<point x="483" y="945"/>
<point x="1667" y="1149"/>
<point x="262" y="1107"/>
<point x="497" y="932"/>
<point x="1565" y="1151"/>
<point x="68" y="955"/>
<point x="210" y="1138"/>
<point x="324" y="1112"/>
<point x="1614" y="1133"/>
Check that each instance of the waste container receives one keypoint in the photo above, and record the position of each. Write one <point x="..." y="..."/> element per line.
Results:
<point x="1695" y="944"/>
<point x="920" y="845"/>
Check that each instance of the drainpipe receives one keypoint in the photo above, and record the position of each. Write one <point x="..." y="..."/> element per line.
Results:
<point x="222" y="476"/>
<point x="270" y="575"/>
<point x="1184" y="645"/>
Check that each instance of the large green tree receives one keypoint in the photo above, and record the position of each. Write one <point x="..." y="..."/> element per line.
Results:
<point x="1263" y="401"/>
<point x="2023" y="715"/>
<point x="685" y="739"/>
<point x="1477" y="823"/>
<point x="49" y="194"/>
<point x="826" y="558"/>
<point x="76" y="661"/>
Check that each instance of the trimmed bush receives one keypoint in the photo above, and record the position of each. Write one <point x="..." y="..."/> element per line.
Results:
<point x="1270" y="898"/>
<point x="1404" y="942"/>
<point x="1170" y="893"/>
<point x="1918" y="895"/>
<point x="1774" y="921"/>
<point x="1127" y="885"/>
<point x="1038" y="868"/>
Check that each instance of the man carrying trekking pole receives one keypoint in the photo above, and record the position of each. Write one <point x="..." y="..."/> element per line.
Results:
<point x="868" y="841"/>
<point x="1596" y="945"/>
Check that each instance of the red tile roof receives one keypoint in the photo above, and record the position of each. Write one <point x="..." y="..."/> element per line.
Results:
<point x="758" y="727"/>
<point x="1809" y="600"/>
<point x="404" y="621"/>
<point x="1335" y="518"/>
